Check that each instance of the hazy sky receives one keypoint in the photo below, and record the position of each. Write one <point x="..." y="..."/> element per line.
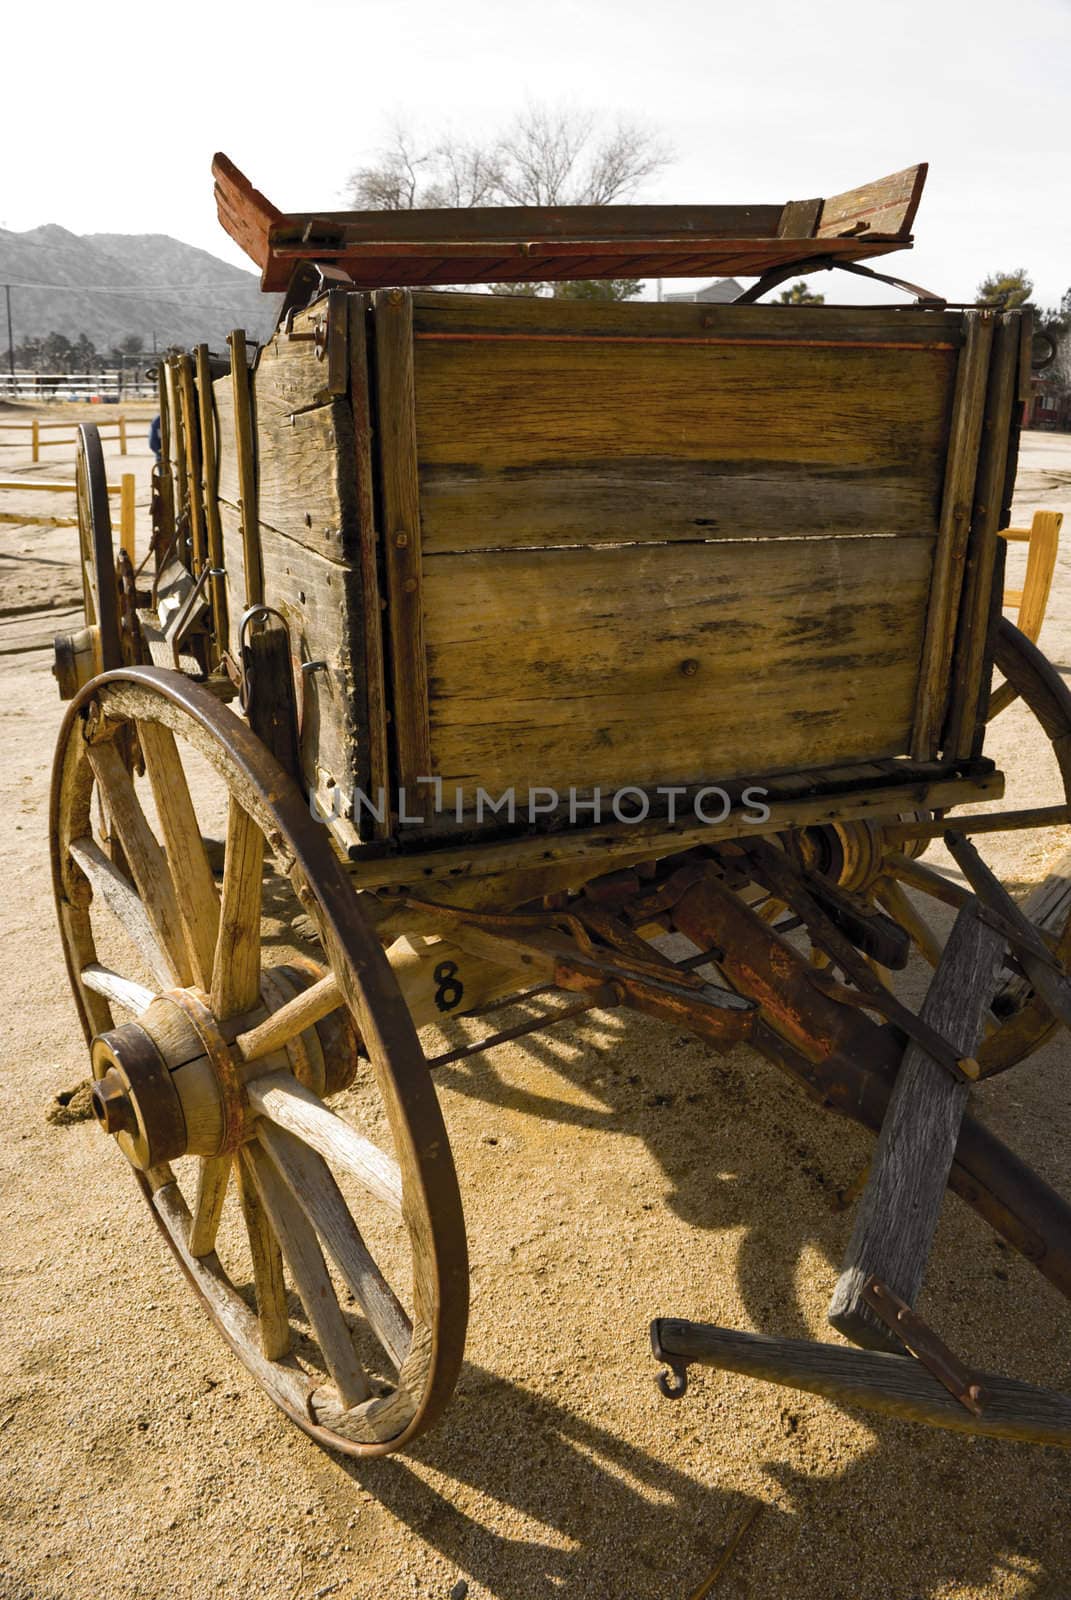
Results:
<point x="763" y="100"/>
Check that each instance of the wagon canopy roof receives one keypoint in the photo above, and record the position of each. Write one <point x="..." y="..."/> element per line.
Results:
<point x="493" y="244"/>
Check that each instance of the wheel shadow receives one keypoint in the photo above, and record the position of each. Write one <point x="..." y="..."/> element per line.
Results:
<point x="586" y="1513"/>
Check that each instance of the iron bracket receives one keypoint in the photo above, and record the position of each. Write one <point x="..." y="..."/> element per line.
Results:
<point x="924" y="1344"/>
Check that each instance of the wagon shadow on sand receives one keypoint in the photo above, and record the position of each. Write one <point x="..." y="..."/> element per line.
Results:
<point x="779" y="1187"/>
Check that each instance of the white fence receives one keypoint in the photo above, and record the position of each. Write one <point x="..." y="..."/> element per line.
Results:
<point x="108" y="387"/>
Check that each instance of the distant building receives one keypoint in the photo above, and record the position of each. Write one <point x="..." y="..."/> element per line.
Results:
<point x="720" y="292"/>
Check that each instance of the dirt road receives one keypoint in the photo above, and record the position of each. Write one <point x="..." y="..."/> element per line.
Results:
<point x="611" y="1172"/>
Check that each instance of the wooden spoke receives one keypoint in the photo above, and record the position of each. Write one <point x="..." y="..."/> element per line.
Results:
<point x="291" y="1019"/>
<point x="195" y="886"/>
<point x="119" y="896"/>
<point x="236" y="962"/>
<point x="919" y="876"/>
<point x="1001" y="698"/>
<point x="285" y="1383"/>
<point x="280" y="1098"/>
<point x="309" y="1272"/>
<point x="889" y="894"/>
<point x="134" y="997"/>
<point x="309" y="1180"/>
<point x="212" y="1180"/>
<point x="272" y="1316"/>
<point x="147" y="863"/>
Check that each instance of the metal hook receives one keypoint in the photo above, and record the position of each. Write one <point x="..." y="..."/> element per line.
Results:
<point x="257" y="613"/>
<point x="673" y="1390"/>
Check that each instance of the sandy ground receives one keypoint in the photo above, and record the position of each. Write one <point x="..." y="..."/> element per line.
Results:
<point x="611" y="1172"/>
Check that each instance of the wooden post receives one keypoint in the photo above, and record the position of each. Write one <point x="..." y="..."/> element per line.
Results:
<point x="247" y="475"/>
<point x="192" y="439"/>
<point x="122" y="435"/>
<point x="897" y="1216"/>
<point x="35" y="439"/>
<point x="970" y="677"/>
<point x="126" y="513"/>
<point x="401" y="532"/>
<point x="210" y="487"/>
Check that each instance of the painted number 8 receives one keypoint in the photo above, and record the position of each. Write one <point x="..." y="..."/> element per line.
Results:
<point x="449" y="987"/>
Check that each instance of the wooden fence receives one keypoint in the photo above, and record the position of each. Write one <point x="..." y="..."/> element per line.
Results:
<point x="125" y="489"/>
<point x="37" y="428"/>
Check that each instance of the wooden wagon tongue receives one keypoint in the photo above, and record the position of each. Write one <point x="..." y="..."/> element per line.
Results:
<point x="897" y="1217"/>
<point x="497" y="243"/>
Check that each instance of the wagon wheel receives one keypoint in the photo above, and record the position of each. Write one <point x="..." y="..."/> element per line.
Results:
<point x="100" y="590"/>
<point x="98" y="645"/>
<point x="864" y="858"/>
<point x="225" y="1069"/>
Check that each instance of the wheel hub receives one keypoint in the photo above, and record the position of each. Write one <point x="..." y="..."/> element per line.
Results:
<point x="173" y="1082"/>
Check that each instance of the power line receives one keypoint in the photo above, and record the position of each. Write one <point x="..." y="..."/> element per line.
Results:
<point x="151" y="288"/>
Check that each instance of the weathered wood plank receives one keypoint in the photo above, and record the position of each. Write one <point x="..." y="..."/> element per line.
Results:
<point x="245" y="452"/>
<point x="402" y="533"/>
<point x="887" y="205"/>
<point x="547" y="442"/>
<point x="291" y="375"/>
<point x="808" y="326"/>
<point x="956" y="502"/>
<point x="374" y="675"/>
<point x="671" y="663"/>
<point x="321" y="602"/>
<point x="305" y="476"/>
<point x="897" y="1384"/>
<point x="210" y="469"/>
<point x="516" y="870"/>
<point x="897" y="1216"/>
<point x="999" y="437"/>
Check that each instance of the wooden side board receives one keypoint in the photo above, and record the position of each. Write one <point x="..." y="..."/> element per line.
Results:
<point x="671" y="663"/>
<point x="622" y="428"/>
<point x="613" y="545"/>
<point x="312" y="524"/>
<point x="641" y="548"/>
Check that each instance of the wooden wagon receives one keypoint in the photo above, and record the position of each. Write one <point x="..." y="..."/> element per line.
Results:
<point x="500" y="636"/>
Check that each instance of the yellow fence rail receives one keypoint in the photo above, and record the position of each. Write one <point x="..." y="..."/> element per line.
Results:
<point x="36" y="428"/>
<point x="1031" y="601"/>
<point x="125" y="489"/>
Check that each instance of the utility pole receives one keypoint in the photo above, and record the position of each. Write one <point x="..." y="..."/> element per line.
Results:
<point x="10" y="338"/>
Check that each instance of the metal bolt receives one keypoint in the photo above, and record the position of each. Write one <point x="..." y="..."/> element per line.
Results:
<point x="690" y="667"/>
<point x="112" y="1106"/>
<point x="409" y="585"/>
<point x="401" y="540"/>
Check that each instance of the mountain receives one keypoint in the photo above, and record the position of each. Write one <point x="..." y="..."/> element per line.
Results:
<point x="109" y="285"/>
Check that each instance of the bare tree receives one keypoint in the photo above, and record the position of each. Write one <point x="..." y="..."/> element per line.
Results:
<point x="553" y="157"/>
<point x="546" y="157"/>
<point x="408" y="173"/>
